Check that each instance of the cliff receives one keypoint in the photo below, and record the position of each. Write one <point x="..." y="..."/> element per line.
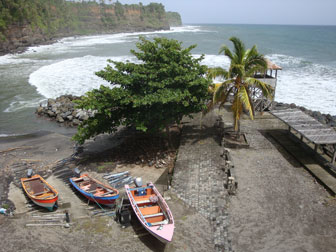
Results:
<point x="28" y="22"/>
<point x="174" y="18"/>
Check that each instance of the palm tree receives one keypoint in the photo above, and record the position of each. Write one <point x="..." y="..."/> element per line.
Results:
<point x="239" y="80"/>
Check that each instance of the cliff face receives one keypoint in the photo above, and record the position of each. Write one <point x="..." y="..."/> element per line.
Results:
<point x="28" y="22"/>
<point x="174" y="18"/>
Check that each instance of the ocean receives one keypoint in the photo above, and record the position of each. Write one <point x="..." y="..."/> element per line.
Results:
<point x="307" y="55"/>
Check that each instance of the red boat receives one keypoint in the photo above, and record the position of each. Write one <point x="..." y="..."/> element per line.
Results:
<point x="40" y="192"/>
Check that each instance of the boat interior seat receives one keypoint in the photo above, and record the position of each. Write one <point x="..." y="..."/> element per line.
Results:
<point x="164" y="222"/>
<point x="36" y="187"/>
<point x="150" y="210"/>
<point x="39" y="193"/>
<point x="155" y="218"/>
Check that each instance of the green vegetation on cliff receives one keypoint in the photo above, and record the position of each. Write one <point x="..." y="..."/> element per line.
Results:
<point x="60" y="17"/>
<point x="174" y="18"/>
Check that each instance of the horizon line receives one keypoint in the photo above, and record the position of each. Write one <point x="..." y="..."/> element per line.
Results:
<point x="190" y="23"/>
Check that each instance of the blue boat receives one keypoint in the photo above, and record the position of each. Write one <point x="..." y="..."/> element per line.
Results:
<point x="95" y="190"/>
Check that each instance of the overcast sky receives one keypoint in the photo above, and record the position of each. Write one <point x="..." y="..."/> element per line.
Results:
<point x="309" y="12"/>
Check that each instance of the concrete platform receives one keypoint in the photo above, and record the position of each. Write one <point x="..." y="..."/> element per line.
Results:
<point x="306" y="158"/>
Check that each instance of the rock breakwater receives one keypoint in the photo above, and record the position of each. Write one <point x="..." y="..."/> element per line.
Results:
<point x="63" y="111"/>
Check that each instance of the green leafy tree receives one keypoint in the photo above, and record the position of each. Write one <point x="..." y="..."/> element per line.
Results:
<point x="166" y="85"/>
<point x="239" y="80"/>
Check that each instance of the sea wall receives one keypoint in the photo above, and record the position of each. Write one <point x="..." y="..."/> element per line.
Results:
<point x="27" y="23"/>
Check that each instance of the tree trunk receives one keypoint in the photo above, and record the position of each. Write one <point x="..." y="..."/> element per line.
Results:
<point x="238" y="132"/>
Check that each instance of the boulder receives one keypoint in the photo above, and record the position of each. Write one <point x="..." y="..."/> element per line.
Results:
<point x="85" y="117"/>
<point x="64" y="109"/>
<point x="51" y="102"/>
<point x="51" y="113"/>
<point x="303" y="109"/>
<point x="322" y="119"/>
<point x="63" y="115"/>
<point x="82" y="115"/>
<point x="59" y="119"/>
<point x="54" y="107"/>
<point x="316" y="114"/>
<point x="39" y="110"/>
<point x="76" y="122"/>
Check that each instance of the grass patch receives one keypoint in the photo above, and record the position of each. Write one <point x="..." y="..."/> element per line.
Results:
<point x="101" y="168"/>
<point x="5" y="205"/>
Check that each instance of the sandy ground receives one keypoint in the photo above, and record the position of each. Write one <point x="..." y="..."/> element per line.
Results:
<point x="88" y="232"/>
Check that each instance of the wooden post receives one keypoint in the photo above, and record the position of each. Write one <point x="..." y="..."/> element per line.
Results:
<point x="301" y="137"/>
<point x="315" y="148"/>
<point x="334" y="155"/>
<point x="289" y="129"/>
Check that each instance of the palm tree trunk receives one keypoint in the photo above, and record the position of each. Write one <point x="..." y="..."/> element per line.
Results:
<point x="238" y="131"/>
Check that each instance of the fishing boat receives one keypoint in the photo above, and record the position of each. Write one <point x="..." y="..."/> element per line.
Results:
<point x="40" y="192"/>
<point x="95" y="190"/>
<point x="152" y="211"/>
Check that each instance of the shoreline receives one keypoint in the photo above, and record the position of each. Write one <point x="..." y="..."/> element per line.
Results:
<point x="48" y="41"/>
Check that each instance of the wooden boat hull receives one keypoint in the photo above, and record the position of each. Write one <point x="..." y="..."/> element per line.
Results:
<point x="40" y="192"/>
<point x="108" y="200"/>
<point x="155" y="217"/>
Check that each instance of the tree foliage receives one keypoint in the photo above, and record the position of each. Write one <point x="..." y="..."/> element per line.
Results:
<point x="166" y="85"/>
<point x="53" y="16"/>
<point x="239" y="79"/>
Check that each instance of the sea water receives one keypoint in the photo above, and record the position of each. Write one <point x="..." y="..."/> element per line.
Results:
<point x="307" y="55"/>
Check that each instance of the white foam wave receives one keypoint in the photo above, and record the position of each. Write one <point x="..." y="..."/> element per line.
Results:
<point x="7" y="135"/>
<point x="76" y="76"/>
<point x="72" y="76"/>
<point x="306" y="84"/>
<point x="214" y="60"/>
<point x="14" y="59"/>
<point x="20" y="103"/>
<point x="73" y="43"/>
<point x="301" y="81"/>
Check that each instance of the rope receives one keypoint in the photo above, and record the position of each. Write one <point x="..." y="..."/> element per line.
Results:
<point x="97" y="203"/>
